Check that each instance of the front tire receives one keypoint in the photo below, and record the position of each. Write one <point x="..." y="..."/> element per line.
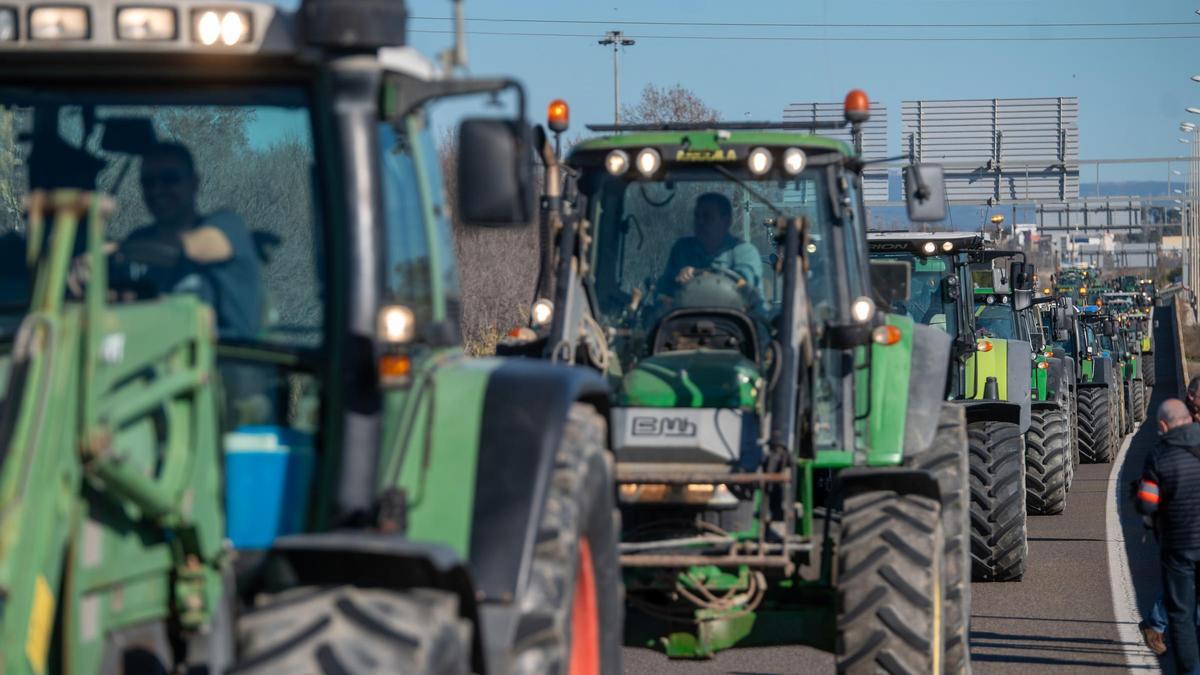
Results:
<point x="346" y="629"/>
<point x="1139" y="402"/>
<point x="1095" y="425"/>
<point x="999" y="540"/>
<point x="1148" y="374"/>
<point x="572" y="611"/>
<point x="1047" y="461"/>
<point x="889" y="584"/>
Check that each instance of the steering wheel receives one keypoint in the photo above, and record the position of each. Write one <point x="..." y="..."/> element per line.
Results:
<point x="130" y="264"/>
<point x="716" y="287"/>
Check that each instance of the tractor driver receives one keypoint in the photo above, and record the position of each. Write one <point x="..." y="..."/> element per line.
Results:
<point x="711" y="247"/>
<point x="215" y="254"/>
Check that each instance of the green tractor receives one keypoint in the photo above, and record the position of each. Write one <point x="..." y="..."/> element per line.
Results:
<point x="1051" y="448"/>
<point x="244" y="437"/>
<point x="1099" y="390"/>
<point x="784" y="473"/>
<point x="987" y="375"/>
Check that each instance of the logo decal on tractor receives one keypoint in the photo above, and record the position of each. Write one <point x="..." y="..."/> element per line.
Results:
<point x="663" y="426"/>
<point x="716" y="155"/>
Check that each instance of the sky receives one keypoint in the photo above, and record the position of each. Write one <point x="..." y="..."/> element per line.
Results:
<point x="1132" y="92"/>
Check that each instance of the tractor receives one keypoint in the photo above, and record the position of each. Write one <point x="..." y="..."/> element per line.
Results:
<point x="237" y="428"/>
<point x="776" y="449"/>
<point x="987" y="374"/>
<point x="1098" y="389"/>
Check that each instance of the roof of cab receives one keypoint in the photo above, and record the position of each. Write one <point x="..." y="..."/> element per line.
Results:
<point x="713" y="138"/>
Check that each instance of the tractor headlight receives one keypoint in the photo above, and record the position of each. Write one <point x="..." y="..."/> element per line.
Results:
<point x="863" y="309"/>
<point x="541" y="312"/>
<point x="8" y="24"/>
<point x="396" y="324"/>
<point x="146" y="24"/>
<point x="617" y="162"/>
<point x="760" y="161"/>
<point x="648" y="161"/>
<point x="59" y="23"/>
<point x="794" y="161"/>
<point x="227" y="26"/>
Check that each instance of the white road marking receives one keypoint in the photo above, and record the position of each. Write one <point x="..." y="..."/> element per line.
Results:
<point x="1125" y="610"/>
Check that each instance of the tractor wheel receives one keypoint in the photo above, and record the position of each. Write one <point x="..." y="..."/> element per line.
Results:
<point x="1148" y="374"/>
<point x="889" y="584"/>
<point x="1139" y="402"/>
<point x="1118" y="407"/>
<point x="1073" y="454"/>
<point x="1095" y="422"/>
<point x="572" y="609"/>
<point x="999" y="541"/>
<point x="346" y="629"/>
<point x="947" y="459"/>
<point x="1047" y="461"/>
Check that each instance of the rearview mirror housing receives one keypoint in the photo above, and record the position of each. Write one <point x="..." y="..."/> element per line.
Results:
<point x="925" y="192"/>
<point x="495" y="173"/>
<point x="1020" y="276"/>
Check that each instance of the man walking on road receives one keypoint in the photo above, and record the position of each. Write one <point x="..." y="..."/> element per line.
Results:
<point x="1170" y="491"/>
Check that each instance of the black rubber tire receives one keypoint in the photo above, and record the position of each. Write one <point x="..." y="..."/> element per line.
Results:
<point x="580" y="504"/>
<point x="1095" y="425"/>
<point x="999" y="530"/>
<point x="1047" y="460"/>
<point x="1139" y="403"/>
<point x="889" y="585"/>
<point x="346" y="629"/>
<point x="1148" y="374"/>
<point x="947" y="459"/>
<point x="1073" y="455"/>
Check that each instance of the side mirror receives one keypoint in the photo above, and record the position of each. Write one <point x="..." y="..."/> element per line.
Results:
<point x="1022" y="300"/>
<point x="1020" y="276"/>
<point x="130" y="135"/>
<point x="925" y="192"/>
<point x="1109" y="328"/>
<point x="495" y="173"/>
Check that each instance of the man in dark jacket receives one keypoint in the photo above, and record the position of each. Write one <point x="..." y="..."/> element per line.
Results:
<point x="1170" y="491"/>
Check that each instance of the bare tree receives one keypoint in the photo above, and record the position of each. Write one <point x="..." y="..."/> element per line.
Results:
<point x="676" y="103"/>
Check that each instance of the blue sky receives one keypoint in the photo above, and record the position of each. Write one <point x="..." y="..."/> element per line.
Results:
<point x="1132" y="93"/>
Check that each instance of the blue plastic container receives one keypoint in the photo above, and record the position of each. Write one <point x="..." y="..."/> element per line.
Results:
<point x="267" y="473"/>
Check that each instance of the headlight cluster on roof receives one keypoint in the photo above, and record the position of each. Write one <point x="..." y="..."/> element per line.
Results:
<point x="760" y="161"/>
<point x="210" y="26"/>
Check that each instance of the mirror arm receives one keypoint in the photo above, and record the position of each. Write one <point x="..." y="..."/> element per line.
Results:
<point x="411" y="93"/>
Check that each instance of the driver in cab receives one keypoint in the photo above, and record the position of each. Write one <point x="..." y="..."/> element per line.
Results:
<point x="212" y="255"/>
<point x="711" y="247"/>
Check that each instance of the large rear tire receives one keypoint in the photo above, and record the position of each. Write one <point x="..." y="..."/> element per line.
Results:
<point x="1047" y="461"/>
<point x="346" y="629"/>
<point x="889" y="585"/>
<point x="572" y="610"/>
<point x="947" y="460"/>
<point x="1095" y="425"/>
<point x="1148" y="374"/>
<point x="1073" y="455"/>
<point x="1139" y="402"/>
<point x="999" y="540"/>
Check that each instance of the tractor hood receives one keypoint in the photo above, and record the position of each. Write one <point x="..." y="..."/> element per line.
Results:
<point x="702" y="378"/>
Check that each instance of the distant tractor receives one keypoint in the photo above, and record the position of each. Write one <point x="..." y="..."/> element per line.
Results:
<point x="988" y="372"/>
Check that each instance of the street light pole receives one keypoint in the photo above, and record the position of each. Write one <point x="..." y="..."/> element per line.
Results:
<point x="616" y="39"/>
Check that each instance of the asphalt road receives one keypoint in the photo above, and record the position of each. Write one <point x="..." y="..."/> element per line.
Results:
<point x="1062" y="617"/>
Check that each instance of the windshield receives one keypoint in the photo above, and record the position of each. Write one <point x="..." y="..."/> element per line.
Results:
<point x="221" y="179"/>
<point x="923" y="297"/>
<point x="998" y="321"/>
<point x="698" y="239"/>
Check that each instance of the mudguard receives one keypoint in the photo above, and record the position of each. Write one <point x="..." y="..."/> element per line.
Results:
<point x="995" y="411"/>
<point x="926" y="385"/>
<point x="1103" y="373"/>
<point x="855" y="481"/>
<point x="1058" y="378"/>
<point x="525" y="409"/>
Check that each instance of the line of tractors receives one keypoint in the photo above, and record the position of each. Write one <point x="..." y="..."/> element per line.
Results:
<point x="734" y="417"/>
